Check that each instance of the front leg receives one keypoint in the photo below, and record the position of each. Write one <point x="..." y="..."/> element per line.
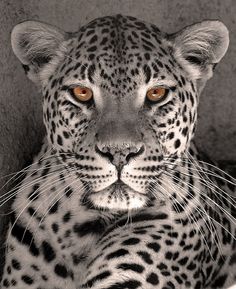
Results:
<point x="146" y="254"/>
<point x="32" y="265"/>
<point x="52" y="254"/>
<point x="51" y="237"/>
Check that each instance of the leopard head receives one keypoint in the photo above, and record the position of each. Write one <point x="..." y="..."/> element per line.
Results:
<point x="120" y="99"/>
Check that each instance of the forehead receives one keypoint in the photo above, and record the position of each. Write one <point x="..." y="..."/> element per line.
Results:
<point x="118" y="33"/>
<point x="116" y="51"/>
<point x="119" y="39"/>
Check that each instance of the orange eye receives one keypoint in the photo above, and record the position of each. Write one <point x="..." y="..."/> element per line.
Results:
<point x="157" y="93"/>
<point x="82" y="93"/>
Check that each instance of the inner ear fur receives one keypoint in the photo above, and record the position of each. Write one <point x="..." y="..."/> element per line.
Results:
<point x="199" y="47"/>
<point x="35" y="44"/>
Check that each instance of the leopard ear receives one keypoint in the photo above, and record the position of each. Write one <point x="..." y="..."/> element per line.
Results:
<point x="35" y="44"/>
<point x="199" y="47"/>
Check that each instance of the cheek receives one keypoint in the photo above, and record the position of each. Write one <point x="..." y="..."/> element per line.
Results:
<point x="58" y="127"/>
<point x="175" y="139"/>
<point x="61" y="138"/>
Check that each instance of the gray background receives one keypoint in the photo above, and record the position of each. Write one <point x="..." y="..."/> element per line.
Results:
<point x="20" y="103"/>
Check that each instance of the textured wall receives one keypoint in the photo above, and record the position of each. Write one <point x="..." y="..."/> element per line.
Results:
<point x="20" y="103"/>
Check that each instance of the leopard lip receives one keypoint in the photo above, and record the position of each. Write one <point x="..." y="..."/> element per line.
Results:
<point x="119" y="183"/>
<point x="119" y="186"/>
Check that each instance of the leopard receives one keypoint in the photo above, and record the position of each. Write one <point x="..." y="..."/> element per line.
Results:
<point x="119" y="197"/>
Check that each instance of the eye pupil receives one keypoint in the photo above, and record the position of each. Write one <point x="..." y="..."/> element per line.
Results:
<point x="84" y="91"/>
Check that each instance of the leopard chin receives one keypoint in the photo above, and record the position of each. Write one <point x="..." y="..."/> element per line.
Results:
<point x="118" y="196"/>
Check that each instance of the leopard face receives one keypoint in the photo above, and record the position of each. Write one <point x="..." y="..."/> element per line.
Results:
<point x="122" y="139"/>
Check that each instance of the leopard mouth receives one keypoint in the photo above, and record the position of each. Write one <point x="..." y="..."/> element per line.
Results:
<point x="120" y="186"/>
<point x="118" y="196"/>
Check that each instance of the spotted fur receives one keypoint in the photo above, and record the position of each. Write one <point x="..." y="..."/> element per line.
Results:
<point x="119" y="197"/>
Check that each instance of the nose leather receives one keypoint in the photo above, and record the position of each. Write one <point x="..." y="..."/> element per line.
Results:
<point x="119" y="155"/>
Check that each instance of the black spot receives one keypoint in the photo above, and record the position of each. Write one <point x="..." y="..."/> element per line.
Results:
<point x="183" y="261"/>
<point x="183" y="80"/>
<point x="154" y="246"/>
<point x="145" y="256"/>
<point x="26" y="68"/>
<point x="116" y="254"/>
<point x="168" y="227"/>
<point x="59" y="140"/>
<point x="219" y="282"/>
<point x="175" y="268"/>
<point x="25" y="237"/>
<point x="27" y="279"/>
<point x="177" y="143"/>
<point x="68" y="192"/>
<point x="147" y="72"/>
<point x="65" y="134"/>
<point x="152" y="278"/>
<point x="178" y="279"/>
<point x="170" y="135"/>
<point x="46" y="170"/>
<point x="15" y="264"/>
<point x="169" y="242"/>
<point x="169" y="255"/>
<point x="108" y="245"/>
<point x="89" y="227"/>
<point x="78" y="258"/>
<point x="54" y="82"/>
<point x="34" y="194"/>
<point x="61" y="271"/>
<point x="91" y="71"/>
<point x="44" y="277"/>
<point x="48" y="252"/>
<point x="147" y="56"/>
<point x="90" y="32"/>
<point x="140" y="232"/>
<point x="96" y="278"/>
<point x="6" y="283"/>
<point x="93" y="39"/>
<point x="130" y="284"/>
<point x="170" y="285"/>
<point x="31" y="211"/>
<point x="162" y="266"/>
<point x="188" y="247"/>
<point x="35" y="267"/>
<point x="53" y="209"/>
<point x="104" y="40"/>
<point x="233" y="259"/>
<point x="92" y="48"/>
<point x="198" y="245"/>
<point x="131" y="241"/>
<point x="55" y="227"/>
<point x="131" y="266"/>
<point x="165" y="273"/>
<point x="67" y="217"/>
<point x="184" y="131"/>
<point x="155" y="237"/>
<point x="199" y="285"/>
<point x="192" y="266"/>
<point x="13" y="282"/>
